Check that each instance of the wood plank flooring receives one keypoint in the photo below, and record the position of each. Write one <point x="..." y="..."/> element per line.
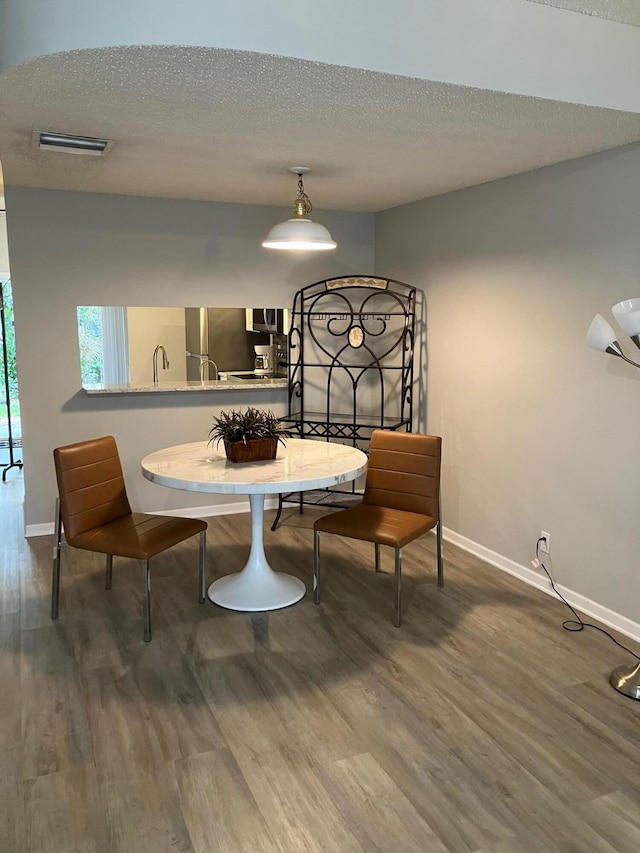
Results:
<point x="479" y="726"/>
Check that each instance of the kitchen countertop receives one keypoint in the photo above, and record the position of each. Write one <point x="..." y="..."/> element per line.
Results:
<point x="163" y="387"/>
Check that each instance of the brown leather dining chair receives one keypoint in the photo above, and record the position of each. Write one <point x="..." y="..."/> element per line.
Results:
<point x="401" y="502"/>
<point x="95" y="511"/>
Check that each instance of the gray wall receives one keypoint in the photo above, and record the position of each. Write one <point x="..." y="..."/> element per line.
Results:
<point x="539" y="432"/>
<point x="69" y="249"/>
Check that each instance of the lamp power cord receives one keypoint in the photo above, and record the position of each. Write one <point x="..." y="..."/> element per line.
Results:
<point x="576" y="624"/>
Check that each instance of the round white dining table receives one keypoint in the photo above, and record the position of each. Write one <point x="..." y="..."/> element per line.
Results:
<point x="300" y="465"/>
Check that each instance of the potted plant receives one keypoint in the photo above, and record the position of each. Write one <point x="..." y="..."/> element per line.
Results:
<point x="248" y="436"/>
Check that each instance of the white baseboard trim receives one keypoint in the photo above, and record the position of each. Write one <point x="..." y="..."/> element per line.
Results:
<point x="540" y="581"/>
<point x="47" y="529"/>
<point x="215" y="509"/>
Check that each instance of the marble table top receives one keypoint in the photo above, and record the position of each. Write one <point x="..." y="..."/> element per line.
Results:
<point x="300" y="465"/>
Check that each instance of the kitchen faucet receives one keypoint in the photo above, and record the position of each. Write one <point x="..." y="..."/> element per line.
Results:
<point x="165" y="362"/>
<point x="203" y="363"/>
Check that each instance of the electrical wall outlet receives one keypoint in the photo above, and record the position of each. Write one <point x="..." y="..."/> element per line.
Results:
<point x="544" y="545"/>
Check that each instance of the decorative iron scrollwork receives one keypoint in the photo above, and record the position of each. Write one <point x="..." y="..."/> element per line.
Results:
<point x="351" y="346"/>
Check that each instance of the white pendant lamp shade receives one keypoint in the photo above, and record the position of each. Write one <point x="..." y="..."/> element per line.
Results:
<point x="300" y="233"/>
<point x="600" y="335"/>
<point x="627" y="314"/>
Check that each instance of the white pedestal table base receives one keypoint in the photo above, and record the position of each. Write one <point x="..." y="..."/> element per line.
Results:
<point x="257" y="586"/>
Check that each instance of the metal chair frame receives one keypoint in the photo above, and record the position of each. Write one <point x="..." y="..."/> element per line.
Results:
<point x="55" y="588"/>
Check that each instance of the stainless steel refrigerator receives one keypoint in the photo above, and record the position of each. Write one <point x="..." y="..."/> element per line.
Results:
<point x="219" y="334"/>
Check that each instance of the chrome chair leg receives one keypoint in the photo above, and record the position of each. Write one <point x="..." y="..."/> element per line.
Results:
<point x="109" y="572"/>
<point x="316" y="567"/>
<point x="203" y="566"/>
<point x="147" y="603"/>
<point x="377" y="550"/>
<point x="439" y="549"/>
<point x="398" y="585"/>
<point x="55" y="583"/>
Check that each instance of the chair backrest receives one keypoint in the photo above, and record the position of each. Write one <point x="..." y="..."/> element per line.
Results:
<point x="404" y="471"/>
<point x="90" y="485"/>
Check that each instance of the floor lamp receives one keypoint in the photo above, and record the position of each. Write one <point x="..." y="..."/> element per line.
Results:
<point x="626" y="678"/>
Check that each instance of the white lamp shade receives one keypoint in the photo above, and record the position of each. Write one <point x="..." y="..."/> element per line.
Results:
<point x="600" y="335"/>
<point x="299" y="234"/>
<point x="627" y="314"/>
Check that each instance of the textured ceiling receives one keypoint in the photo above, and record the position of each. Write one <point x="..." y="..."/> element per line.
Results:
<point x="623" y="11"/>
<point x="224" y="125"/>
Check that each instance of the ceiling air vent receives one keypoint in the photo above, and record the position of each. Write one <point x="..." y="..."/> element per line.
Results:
<point x="71" y="144"/>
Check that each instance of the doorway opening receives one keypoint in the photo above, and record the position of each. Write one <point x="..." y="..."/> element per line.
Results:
<point x="10" y="425"/>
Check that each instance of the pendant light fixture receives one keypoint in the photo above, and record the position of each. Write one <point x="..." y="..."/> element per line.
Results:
<point x="300" y="233"/>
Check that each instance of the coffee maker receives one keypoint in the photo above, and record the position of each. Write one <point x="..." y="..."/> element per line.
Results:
<point x="263" y="362"/>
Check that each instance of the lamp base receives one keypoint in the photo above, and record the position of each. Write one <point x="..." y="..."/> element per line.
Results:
<point x="626" y="680"/>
